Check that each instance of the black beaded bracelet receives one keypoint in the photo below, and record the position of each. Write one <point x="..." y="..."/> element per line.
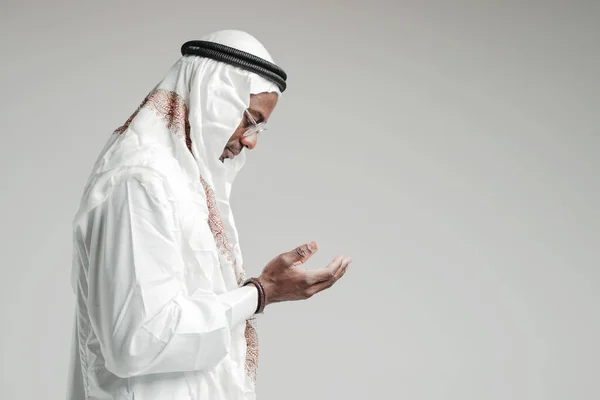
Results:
<point x="261" y="294"/>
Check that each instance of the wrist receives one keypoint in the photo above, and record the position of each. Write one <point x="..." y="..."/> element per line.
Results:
<point x="261" y="294"/>
<point x="268" y="289"/>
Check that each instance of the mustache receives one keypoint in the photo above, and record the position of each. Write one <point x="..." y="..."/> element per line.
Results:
<point x="234" y="149"/>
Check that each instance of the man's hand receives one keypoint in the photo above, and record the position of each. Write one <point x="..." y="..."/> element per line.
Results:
<point x="284" y="279"/>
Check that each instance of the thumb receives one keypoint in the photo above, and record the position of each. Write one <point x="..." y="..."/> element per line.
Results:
<point x="301" y="254"/>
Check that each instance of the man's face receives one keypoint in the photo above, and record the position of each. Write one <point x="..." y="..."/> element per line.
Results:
<point x="261" y="107"/>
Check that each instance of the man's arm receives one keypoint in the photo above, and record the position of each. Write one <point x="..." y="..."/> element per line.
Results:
<point x="144" y="318"/>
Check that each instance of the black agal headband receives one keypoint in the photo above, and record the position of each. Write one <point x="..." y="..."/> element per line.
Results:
<point x="237" y="58"/>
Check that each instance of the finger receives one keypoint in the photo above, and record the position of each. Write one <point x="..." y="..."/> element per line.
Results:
<point x="319" y="287"/>
<point x="329" y="272"/>
<point x="300" y="254"/>
<point x="325" y="273"/>
<point x="340" y="272"/>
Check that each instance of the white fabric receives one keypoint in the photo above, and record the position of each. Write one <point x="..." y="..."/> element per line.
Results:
<point x="157" y="262"/>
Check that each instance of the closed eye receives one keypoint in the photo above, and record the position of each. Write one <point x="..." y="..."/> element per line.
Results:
<point x="258" y="119"/>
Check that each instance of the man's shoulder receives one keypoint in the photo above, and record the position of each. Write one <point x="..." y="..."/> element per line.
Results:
<point x="158" y="172"/>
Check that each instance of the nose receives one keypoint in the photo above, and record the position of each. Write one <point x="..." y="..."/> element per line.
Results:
<point x="249" y="141"/>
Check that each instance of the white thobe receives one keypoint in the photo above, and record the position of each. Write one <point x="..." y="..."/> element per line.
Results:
<point x="154" y="318"/>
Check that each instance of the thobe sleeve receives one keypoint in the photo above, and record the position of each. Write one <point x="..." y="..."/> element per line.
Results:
<point x="144" y="319"/>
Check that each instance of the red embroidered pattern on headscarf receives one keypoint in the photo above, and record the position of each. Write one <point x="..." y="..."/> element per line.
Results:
<point x="216" y="224"/>
<point x="216" y="227"/>
<point x="171" y="107"/>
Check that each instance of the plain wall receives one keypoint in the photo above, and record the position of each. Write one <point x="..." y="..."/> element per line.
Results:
<point x="451" y="148"/>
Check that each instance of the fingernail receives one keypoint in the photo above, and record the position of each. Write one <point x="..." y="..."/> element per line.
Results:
<point x="311" y="246"/>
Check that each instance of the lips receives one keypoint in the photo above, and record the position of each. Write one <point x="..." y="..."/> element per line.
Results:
<point x="229" y="153"/>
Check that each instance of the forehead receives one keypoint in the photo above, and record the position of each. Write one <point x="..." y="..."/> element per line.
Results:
<point x="263" y="103"/>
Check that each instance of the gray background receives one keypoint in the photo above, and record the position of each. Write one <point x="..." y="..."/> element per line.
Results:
<point x="451" y="148"/>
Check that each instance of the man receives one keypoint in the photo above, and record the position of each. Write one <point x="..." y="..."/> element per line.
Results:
<point x="164" y="309"/>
